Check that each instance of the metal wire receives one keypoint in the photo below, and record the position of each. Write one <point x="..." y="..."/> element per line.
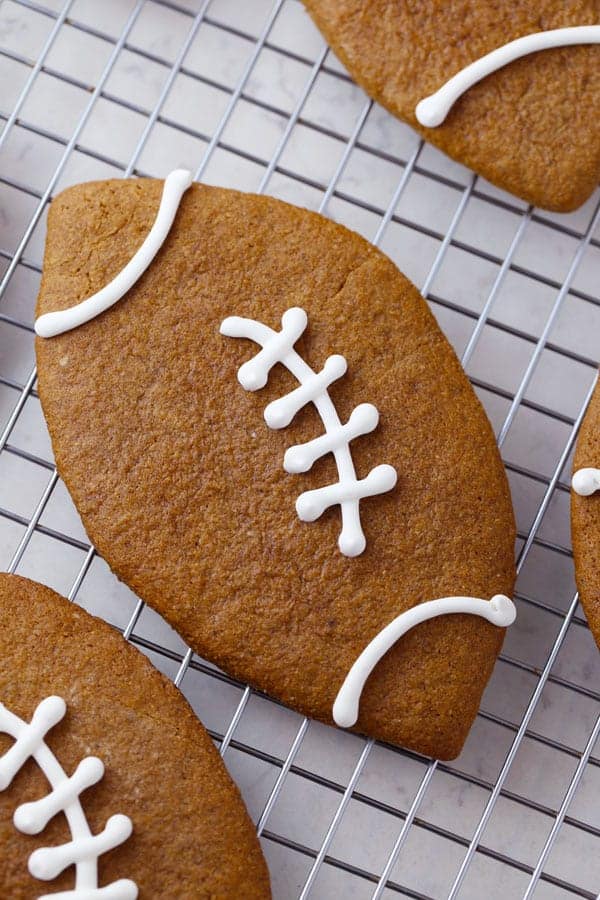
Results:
<point x="354" y="140"/>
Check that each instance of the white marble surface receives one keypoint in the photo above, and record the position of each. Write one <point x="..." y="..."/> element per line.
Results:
<point x="213" y="66"/>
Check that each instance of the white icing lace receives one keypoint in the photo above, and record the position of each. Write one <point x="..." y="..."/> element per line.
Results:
<point x="84" y="849"/>
<point x="278" y="347"/>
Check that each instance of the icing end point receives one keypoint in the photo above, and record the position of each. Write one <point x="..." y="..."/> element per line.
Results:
<point x="39" y="865"/>
<point x="586" y="481"/>
<point x="42" y="326"/>
<point x="352" y="545"/>
<point x="93" y="768"/>
<point x="51" y="710"/>
<point x="384" y="477"/>
<point x="428" y="113"/>
<point x="367" y="414"/>
<point x="504" y="611"/>
<point x="275" y="416"/>
<point x="295" y="318"/>
<point x="308" y="510"/>
<point x="295" y="461"/>
<point x="120" y="827"/>
<point x="24" y="821"/>
<point x="336" y="365"/>
<point x="250" y="377"/>
<point x="184" y="176"/>
<point x="345" y="715"/>
<point x="127" y="889"/>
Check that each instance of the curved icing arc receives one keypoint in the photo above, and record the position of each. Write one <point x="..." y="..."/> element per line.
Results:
<point x="53" y="323"/>
<point x="432" y="111"/>
<point x="31" y="818"/>
<point x="500" y="610"/>
<point x="585" y="482"/>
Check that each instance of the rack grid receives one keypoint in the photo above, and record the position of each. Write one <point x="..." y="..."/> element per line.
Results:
<point x="248" y="96"/>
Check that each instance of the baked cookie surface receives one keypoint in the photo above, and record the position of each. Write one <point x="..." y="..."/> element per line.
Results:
<point x="180" y="484"/>
<point x="585" y="514"/>
<point x="192" y="837"/>
<point x="532" y="127"/>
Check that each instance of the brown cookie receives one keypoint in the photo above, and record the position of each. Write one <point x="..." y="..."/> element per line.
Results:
<point x="532" y="127"/>
<point x="585" y="514"/>
<point x="181" y="486"/>
<point x="191" y="838"/>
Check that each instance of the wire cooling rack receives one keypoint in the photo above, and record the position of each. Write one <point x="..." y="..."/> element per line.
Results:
<point x="247" y="95"/>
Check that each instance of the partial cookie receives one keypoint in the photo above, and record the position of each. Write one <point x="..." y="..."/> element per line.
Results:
<point x="103" y="763"/>
<point x="230" y="526"/>
<point x="585" y="514"/>
<point x="532" y="127"/>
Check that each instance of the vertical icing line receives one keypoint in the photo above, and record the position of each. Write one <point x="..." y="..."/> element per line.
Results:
<point x="278" y="346"/>
<point x="84" y="849"/>
<point x="53" y="323"/>
<point x="500" y="611"/>
<point x="432" y="111"/>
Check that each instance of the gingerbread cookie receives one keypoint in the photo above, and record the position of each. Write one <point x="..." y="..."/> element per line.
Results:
<point x="510" y="89"/>
<point x="269" y="439"/>
<point x="109" y="786"/>
<point x="585" y="514"/>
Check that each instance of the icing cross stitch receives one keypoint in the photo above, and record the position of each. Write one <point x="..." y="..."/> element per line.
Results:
<point x="84" y="849"/>
<point x="278" y="347"/>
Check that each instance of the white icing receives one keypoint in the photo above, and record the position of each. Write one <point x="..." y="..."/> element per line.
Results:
<point x="31" y="818"/>
<point x="48" y="862"/>
<point x="118" y="890"/>
<point x="499" y="611"/>
<point x="53" y="323"/>
<point x="586" y="481"/>
<point x="312" y="504"/>
<point x="300" y="458"/>
<point x="432" y="111"/>
<point x="280" y="413"/>
<point x="278" y="347"/>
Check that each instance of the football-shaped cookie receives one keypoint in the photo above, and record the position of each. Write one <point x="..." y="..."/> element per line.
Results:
<point x="509" y="89"/>
<point x="269" y="439"/>
<point x="109" y="785"/>
<point x="585" y="514"/>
